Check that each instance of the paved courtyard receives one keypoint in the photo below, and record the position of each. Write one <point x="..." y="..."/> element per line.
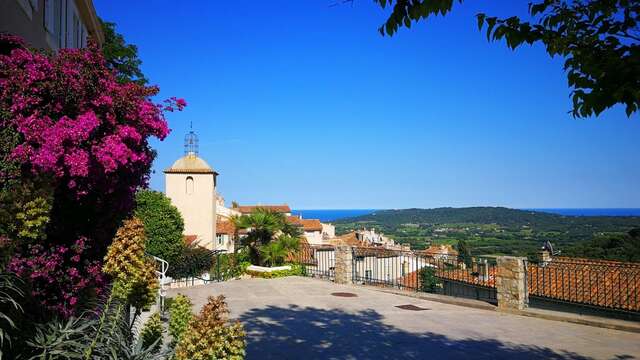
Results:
<point x="298" y="318"/>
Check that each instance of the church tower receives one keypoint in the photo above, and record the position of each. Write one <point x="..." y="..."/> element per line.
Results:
<point x="190" y="183"/>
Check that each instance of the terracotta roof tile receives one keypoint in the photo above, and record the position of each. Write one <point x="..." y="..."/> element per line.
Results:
<point x="189" y="239"/>
<point x="306" y="224"/>
<point x="225" y="227"/>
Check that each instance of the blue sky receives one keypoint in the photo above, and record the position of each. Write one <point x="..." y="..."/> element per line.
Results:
<point x="298" y="102"/>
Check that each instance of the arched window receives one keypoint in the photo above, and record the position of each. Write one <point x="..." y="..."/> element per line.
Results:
<point x="189" y="184"/>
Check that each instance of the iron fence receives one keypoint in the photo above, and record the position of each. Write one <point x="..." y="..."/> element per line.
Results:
<point x="594" y="283"/>
<point x="421" y="271"/>
<point x="318" y="261"/>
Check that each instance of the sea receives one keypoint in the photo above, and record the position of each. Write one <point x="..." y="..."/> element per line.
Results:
<point x="335" y="214"/>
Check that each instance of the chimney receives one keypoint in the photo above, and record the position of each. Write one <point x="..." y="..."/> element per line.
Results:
<point x="544" y="255"/>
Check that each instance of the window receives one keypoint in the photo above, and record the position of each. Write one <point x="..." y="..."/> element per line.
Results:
<point x="220" y="238"/>
<point x="189" y="185"/>
<point x="54" y="21"/>
<point x="77" y="31"/>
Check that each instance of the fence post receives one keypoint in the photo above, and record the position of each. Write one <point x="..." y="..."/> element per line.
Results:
<point x="344" y="265"/>
<point x="511" y="283"/>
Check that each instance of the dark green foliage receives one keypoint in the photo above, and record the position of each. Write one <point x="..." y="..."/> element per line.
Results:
<point x="163" y="225"/>
<point x="620" y="247"/>
<point x="599" y="40"/>
<point x="489" y="230"/>
<point x="464" y="252"/>
<point x="264" y="224"/>
<point x="120" y="56"/>
<point x="193" y="262"/>
<point x="228" y="266"/>
<point x="428" y="280"/>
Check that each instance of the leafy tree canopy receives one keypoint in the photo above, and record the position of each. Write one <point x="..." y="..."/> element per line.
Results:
<point x="163" y="225"/>
<point x="120" y="56"/>
<point x="599" y="40"/>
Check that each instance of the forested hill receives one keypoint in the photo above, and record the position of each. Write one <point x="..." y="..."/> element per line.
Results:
<point x="505" y="217"/>
<point x="498" y="230"/>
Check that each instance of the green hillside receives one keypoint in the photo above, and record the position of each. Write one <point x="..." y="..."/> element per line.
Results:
<point x="493" y="230"/>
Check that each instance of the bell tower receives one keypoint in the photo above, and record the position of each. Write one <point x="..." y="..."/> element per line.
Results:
<point x="190" y="183"/>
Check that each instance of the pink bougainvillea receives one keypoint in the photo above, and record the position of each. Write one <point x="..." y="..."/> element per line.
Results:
<point x="59" y="276"/>
<point x="78" y="121"/>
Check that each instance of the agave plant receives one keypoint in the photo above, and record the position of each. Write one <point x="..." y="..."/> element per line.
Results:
<point x="94" y="336"/>
<point x="10" y="294"/>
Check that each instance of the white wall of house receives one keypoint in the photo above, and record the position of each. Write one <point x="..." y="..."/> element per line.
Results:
<point x="224" y="242"/>
<point x="313" y="237"/>
<point x="193" y="195"/>
<point x="328" y="231"/>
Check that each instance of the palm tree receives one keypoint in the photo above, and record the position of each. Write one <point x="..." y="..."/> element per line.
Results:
<point x="273" y="253"/>
<point x="263" y="225"/>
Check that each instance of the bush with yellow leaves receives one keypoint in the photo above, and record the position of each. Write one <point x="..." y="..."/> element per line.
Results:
<point x="210" y="335"/>
<point x="133" y="273"/>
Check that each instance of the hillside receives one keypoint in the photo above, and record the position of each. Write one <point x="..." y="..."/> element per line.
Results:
<point x="490" y="230"/>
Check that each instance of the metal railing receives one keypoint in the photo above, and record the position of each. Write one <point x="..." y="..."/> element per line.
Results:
<point x="594" y="283"/>
<point x="428" y="272"/>
<point x="161" y="271"/>
<point x="318" y="261"/>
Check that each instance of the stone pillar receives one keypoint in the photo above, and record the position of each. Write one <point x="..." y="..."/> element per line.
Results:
<point x="511" y="283"/>
<point x="344" y="266"/>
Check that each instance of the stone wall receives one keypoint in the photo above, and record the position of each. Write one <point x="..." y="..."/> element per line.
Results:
<point x="344" y="265"/>
<point x="510" y="283"/>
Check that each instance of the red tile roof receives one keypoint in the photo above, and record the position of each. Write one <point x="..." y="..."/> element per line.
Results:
<point x="604" y="283"/>
<point x="189" y="239"/>
<point x="225" y="227"/>
<point x="248" y="209"/>
<point x="306" y="224"/>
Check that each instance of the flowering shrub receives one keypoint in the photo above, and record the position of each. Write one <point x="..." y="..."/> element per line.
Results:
<point x="59" y="275"/>
<point x="211" y="336"/>
<point x="179" y="316"/>
<point x="83" y="130"/>
<point x="133" y="273"/>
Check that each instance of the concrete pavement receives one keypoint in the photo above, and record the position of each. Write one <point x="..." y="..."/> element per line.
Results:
<point x="298" y="318"/>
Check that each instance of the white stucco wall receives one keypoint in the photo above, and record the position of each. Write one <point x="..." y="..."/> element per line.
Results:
<point x="313" y="237"/>
<point x="224" y="242"/>
<point x="196" y="205"/>
<point x="328" y="231"/>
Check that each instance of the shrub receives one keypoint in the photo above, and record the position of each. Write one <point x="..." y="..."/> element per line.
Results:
<point x="151" y="333"/>
<point x="193" y="262"/>
<point x="179" y="316"/>
<point x="163" y="225"/>
<point x="296" y="270"/>
<point x="229" y="265"/>
<point x="133" y="273"/>
<point x="428" y="280"/>
<point x="211" y="336"/>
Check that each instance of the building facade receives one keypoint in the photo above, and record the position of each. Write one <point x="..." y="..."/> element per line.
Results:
<point x="51" y="24"/>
